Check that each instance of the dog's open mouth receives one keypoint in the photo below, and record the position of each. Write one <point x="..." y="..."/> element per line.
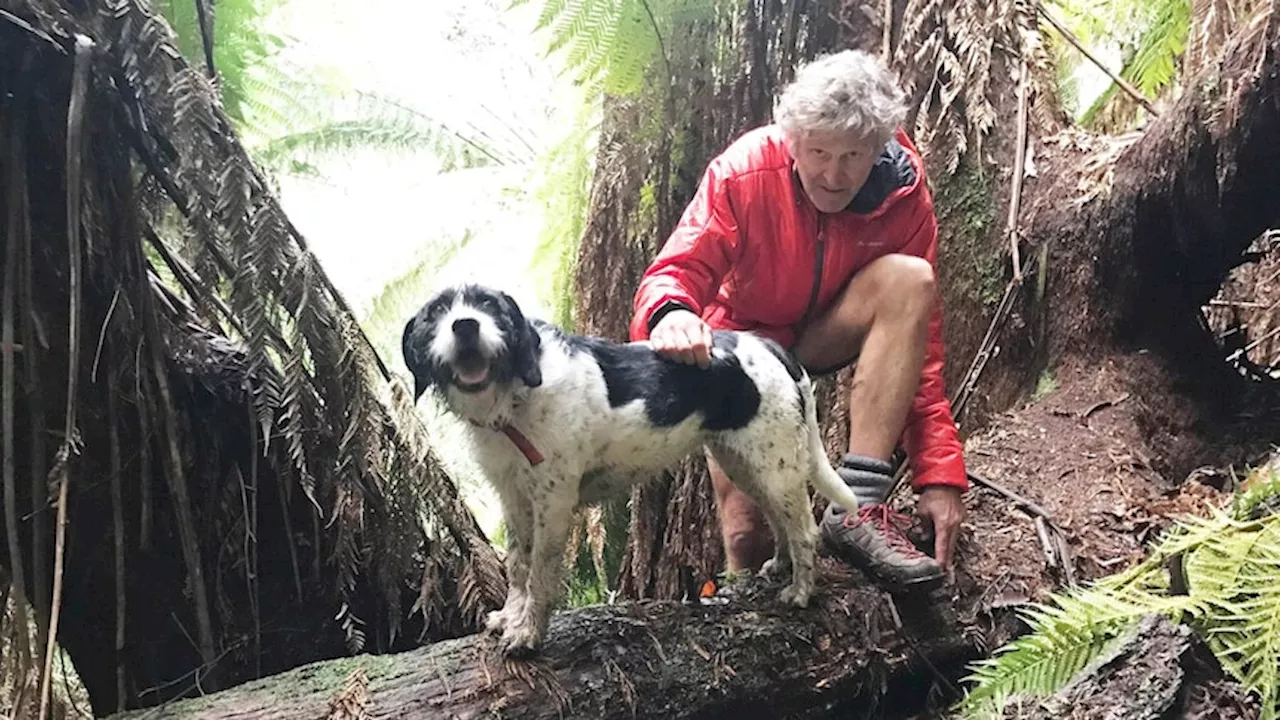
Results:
<point x="471" y="372"/>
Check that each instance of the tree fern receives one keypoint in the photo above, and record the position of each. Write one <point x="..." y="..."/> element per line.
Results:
<point x="613" y="41"/>
<point x="1232" y="565"/>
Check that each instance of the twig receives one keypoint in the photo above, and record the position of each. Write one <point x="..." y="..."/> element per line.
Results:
<point x="1019" y="500"/>
<point x="144" y="406"/>
<point x="17" y="177"/>
<point x="206" y="36"/>
<point x="75" y="120"/>
<point x="1064" y="556"/>
<point x="35" y="394"/>
<point x="1019" y="162"/>
<point x="117" y="523"/>
<point x="1084" y="416"/>
<point x="1046" y="542"/>
<point x="251" y="541"/>
<point x="102" y="333"/>
<point x="26" y="26"/>
<point x="1130" y="90"/>
<point x="176" y="474"/>
<point x="897" y="621"/>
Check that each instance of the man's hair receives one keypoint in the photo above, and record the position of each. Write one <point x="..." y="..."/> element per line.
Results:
<point x="849" y="91"/>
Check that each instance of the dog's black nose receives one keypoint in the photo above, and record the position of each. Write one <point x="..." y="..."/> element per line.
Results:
<point x="466" y="327"/>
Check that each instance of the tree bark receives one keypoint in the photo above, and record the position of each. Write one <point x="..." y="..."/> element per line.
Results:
<point x="660" y="659"/>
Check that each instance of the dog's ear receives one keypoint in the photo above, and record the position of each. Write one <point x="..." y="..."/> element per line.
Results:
<point x="421" y="375"/>
<point x="526" y="346"/>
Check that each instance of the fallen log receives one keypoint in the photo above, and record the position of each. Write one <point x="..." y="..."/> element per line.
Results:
<point x="740" y="653"/>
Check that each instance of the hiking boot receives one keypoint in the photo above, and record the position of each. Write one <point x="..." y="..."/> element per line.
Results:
<point x="874" y="539"/>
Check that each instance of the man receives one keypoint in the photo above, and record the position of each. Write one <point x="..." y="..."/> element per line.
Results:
<point x="819" y="232"/>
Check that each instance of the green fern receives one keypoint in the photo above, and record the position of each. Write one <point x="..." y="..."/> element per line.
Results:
<point x="1232" y="565"/>
<point x="1154" y="62"/>
<point x="614" y="42"/>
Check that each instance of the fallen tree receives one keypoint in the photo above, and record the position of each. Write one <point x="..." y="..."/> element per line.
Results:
<point x="742" y="653"/>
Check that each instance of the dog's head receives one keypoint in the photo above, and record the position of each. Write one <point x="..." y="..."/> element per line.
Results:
<point x="470" y="338"/>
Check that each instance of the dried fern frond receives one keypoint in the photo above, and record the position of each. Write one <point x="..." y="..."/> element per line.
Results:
<point x="954" y="46"/>
<point x="315" y="379"/>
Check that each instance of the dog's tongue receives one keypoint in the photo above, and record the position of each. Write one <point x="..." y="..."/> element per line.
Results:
<point x="473" y="376"/>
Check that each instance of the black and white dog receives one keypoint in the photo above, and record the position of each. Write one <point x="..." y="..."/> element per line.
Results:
<point x="559" y="420"/>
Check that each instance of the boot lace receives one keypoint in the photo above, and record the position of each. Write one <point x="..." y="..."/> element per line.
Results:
<point x="891" y="524"/>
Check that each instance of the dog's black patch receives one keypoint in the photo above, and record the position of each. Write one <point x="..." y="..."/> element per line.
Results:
<point x="788" y="361"/>
<point x="791" y="364"/>
<point x="723" y="393"/>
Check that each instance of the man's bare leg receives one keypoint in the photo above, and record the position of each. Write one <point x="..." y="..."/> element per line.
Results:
<point x="882" y="318"/>
<point x="748" y="542"/>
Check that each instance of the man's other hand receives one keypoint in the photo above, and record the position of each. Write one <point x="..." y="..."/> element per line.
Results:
<point x="942" y="506"/>
<point x="682" y="336"/>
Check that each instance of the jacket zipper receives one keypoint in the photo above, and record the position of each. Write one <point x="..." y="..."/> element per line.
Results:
<point x="817" y="276"/>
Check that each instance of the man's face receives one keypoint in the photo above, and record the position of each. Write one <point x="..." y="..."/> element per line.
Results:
<point x="833" y="166"/>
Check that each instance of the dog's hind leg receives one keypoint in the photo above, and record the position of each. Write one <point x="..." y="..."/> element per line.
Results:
<point x="775" y="476"/>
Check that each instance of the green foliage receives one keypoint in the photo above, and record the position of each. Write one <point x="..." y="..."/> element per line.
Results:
<point x="1154" y="63"/>
<point x="240" y="43"/>
<point x="290" y="116"/>
<point x="1232" y="566"/>
<point x="611" y="44"/>
<point x="1045" y="385"/>
<point x="402" y="297"/>
<point x="293" y="123"/>
<point x="1150" y="36"/>
<point x="562" y="182"/>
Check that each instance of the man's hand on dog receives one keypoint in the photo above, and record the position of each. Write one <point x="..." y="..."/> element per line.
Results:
<point x="682" y="336"/>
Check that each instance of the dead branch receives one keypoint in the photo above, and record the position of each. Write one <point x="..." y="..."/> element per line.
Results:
<point x="62" y="468"/>
<point x="117" y="525"/>
<point x="1019" y="161"/>
<point x="16" y="177"/>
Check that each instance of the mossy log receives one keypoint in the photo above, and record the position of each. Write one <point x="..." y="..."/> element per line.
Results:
<point x="741" y="654"/>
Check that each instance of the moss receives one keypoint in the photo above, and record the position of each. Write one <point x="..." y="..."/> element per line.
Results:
<point x="965" y="206"/>
<point x="1045" y="385"/>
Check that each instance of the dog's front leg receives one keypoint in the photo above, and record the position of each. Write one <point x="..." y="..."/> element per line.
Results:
<point x="552" y="517"/>
<point x="516" y="516"/>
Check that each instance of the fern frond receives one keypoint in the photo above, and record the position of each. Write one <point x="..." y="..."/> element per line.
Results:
<point x="1233" y="572"/>
<point x="1154" y="64"/>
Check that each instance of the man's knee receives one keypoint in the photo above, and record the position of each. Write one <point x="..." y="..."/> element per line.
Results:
<point x="903" y="283"/>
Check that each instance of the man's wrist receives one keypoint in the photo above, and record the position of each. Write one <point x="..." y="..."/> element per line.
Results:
<point x="665" y="309"/>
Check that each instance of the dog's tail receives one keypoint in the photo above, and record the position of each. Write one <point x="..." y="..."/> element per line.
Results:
<point x="826" y="480"/>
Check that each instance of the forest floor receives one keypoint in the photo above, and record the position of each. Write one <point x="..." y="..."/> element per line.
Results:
<point x="1112" y="453"/>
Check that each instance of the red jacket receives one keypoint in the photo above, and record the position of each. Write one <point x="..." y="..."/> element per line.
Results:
<point x="746" y="252"/>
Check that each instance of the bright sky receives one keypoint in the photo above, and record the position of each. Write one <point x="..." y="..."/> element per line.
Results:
<point x="469" y="64"/>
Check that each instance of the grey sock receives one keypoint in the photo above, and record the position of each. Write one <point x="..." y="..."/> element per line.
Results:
<point x="870" y="479"/>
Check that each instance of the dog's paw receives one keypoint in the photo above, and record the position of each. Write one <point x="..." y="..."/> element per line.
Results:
<point x="521" y="639"/>
<point x="796" y="594"/>
<point x="496" y="622"/>
<point x="774" y="568"/>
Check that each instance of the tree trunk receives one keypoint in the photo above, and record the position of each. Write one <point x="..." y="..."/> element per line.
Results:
<point x="663" y="659"/>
